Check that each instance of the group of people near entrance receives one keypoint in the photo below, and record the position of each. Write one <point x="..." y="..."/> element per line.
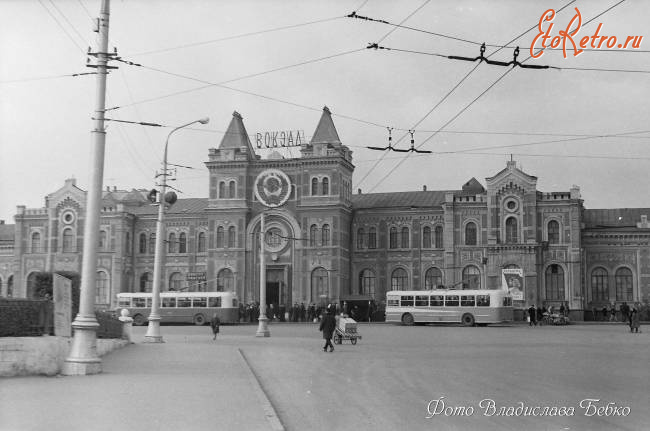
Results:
<point x="537" y="314"/>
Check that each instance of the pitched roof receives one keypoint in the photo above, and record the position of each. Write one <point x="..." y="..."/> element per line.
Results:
<point x="399" y="199"/>
<point x="473" y="187"/>
<point x="613" y="218"/>
<point x="325" y="132"/>
<point x="182" y="206"/>
<point x="236" y="136"/>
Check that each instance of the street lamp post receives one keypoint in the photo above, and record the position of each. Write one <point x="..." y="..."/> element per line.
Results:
<point x="262" y="327"/>
<point x="153" y="330"/>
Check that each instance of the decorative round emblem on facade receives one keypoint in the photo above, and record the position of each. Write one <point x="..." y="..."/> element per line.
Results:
<point x="272" y="188"/>
<point x="511" y="204"/>
<point x="68" y="216"/>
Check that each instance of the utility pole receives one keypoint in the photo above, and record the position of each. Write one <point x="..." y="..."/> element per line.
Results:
<point x="83" y="358"/>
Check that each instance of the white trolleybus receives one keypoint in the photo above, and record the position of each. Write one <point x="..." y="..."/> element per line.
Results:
<point x="182" y="307"/>
<point x="469" y="307"/>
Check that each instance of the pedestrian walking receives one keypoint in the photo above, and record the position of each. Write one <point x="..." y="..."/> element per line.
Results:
<point x="634" y="320"/>
<point x="327" y="325"/>
<point x="532" y="316"/>
<point x="215" y="323"/>
<point x="612" y="311"/>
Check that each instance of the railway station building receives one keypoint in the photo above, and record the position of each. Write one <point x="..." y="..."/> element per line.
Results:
<point x="325" y="243"/>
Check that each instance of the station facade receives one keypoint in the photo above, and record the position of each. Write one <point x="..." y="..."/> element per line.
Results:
<point x="327" y="244"/>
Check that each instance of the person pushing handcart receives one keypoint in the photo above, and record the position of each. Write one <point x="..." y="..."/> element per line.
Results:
<point x="346" y="329"/>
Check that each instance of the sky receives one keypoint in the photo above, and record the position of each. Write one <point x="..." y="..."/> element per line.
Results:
<point x="583" y="121"/>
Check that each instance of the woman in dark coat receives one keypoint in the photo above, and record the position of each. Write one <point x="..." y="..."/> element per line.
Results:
<point x="215" y="323"/>
<point x="634" y="320"/>
<point x="327" y="325"/>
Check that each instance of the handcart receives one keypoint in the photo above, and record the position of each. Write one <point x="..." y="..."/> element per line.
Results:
<point x="346" y="329"/>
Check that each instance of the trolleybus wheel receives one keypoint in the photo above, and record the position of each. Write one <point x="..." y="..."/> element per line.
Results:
<point x="138" y="320"/>
<point x="353" y="340"/>
<point x="199" y="320"/>
<point x="407" y="319"/>
<point x="468" y="319"/>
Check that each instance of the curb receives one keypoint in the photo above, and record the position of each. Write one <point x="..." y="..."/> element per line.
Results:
<point x="269" y="412"/>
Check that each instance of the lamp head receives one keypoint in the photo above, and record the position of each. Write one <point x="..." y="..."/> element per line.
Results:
<point x="205" y="120"/>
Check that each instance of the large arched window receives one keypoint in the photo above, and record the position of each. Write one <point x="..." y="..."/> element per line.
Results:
<point x="372" y="238"/>
<point x="152" y="243"/>
<point x="426" y="237"/>
<point x="222" y="190"/>
<point x="432" y="278"/>
<point x="599" y="284"/>
<point x="392" y="243"/>
<point x="367" y="283"/>
<point x="32" y="286"/>
<point x="225" y="281"/>
<point x="175" y="281"/>
<point x="470" y="233"/>
<point x="326" y="186"/>
<point x="438" y="237"/>
<point x="399" y="280"/>
<point x="220" y="234"/>
<point x="142" y="248"/>
<point x="146" y="282"/>
<point x="471" y="277"/>
<point x="172" y="245"/>
<point x="623" y="279"/>
<point x="36" y="242"/>
<point x="320" y="285"/>
<point x="182" y="243"/>
<point x="405" y="238"/>
<point x="553" y="232"/>
<point x="232" y="237"/>
<point x="313" y="231"/>
<point x="314" y="186"/>
<point x="361" y="238"/>
<point x="101" y="288"/>
<point x="325" y="235"/>
<point x="68" y="241"/>
<point x="200" y="243"/>
<point x="231" y="189"/>
<point x="511" y="231"/>
<point x="102" y="240"/>
<point x="555" y="283"/>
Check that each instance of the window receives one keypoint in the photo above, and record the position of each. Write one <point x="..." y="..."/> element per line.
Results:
<point x="36" y="242"/>
<point x="451" y="301"/>
<point x="432" y="278"/>
<point x="172" y="244"/>
<point x="360" y="238"/>
<point x="220" y="237"/>
<point x="201" y="301"/>
<point x="175" y="281"/>
<point x="101" y="288"/>
<point x="319" y="285"/>
<point x="326" y="186"/>
<point x="470" y="233"/>
<point x="426" y="237"/>
<point x="274" y="237"/>
<point x="128" y="243"/>
<point x="471" y="277"/>
<point x="231" y="190"/>
<point x="183" y="302"/>
<point x="325" y="235"/>
<point x="313" y="230"/>
<point x="438" y="241"/>
<point x="102" y="240"/>
<point x="393" y="237"/>
<point x="553" y="232"/>
<point x="214" y="301"/>
<point x="367" y="282"/>
<point x="222" y="190"/>
<point x="467" y="301"/>
<point x="68" y="241"/>
<point x="145" y="282"/>
<point x="10" y="286"/>
<point x="422" y="301"/>
<point x="405" y="237"/>
<point x="225" y="281"/>
<point x="623" y="279"/>
<point x="168" y="302"/>
<point x="152" y="243"/>
<point x="555" y="282"/>
<point x="232" y="239"/>
<point x="437" y="300"/>
<point x="314" y="186"/>
<point x="407" y="301"/>
<point x="200" y="244"/>
<point x="399" y="280"/>
<point x="599" y="285"/>
<point x="511" y="231"/>
<point x="143" y="243"/>
<point x="182" y="243"/>
<point x="372" y="238"/>
<point x="482" y="300"/>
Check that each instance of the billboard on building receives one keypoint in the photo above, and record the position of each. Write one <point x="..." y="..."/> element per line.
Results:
<point x="512" y="280"/>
